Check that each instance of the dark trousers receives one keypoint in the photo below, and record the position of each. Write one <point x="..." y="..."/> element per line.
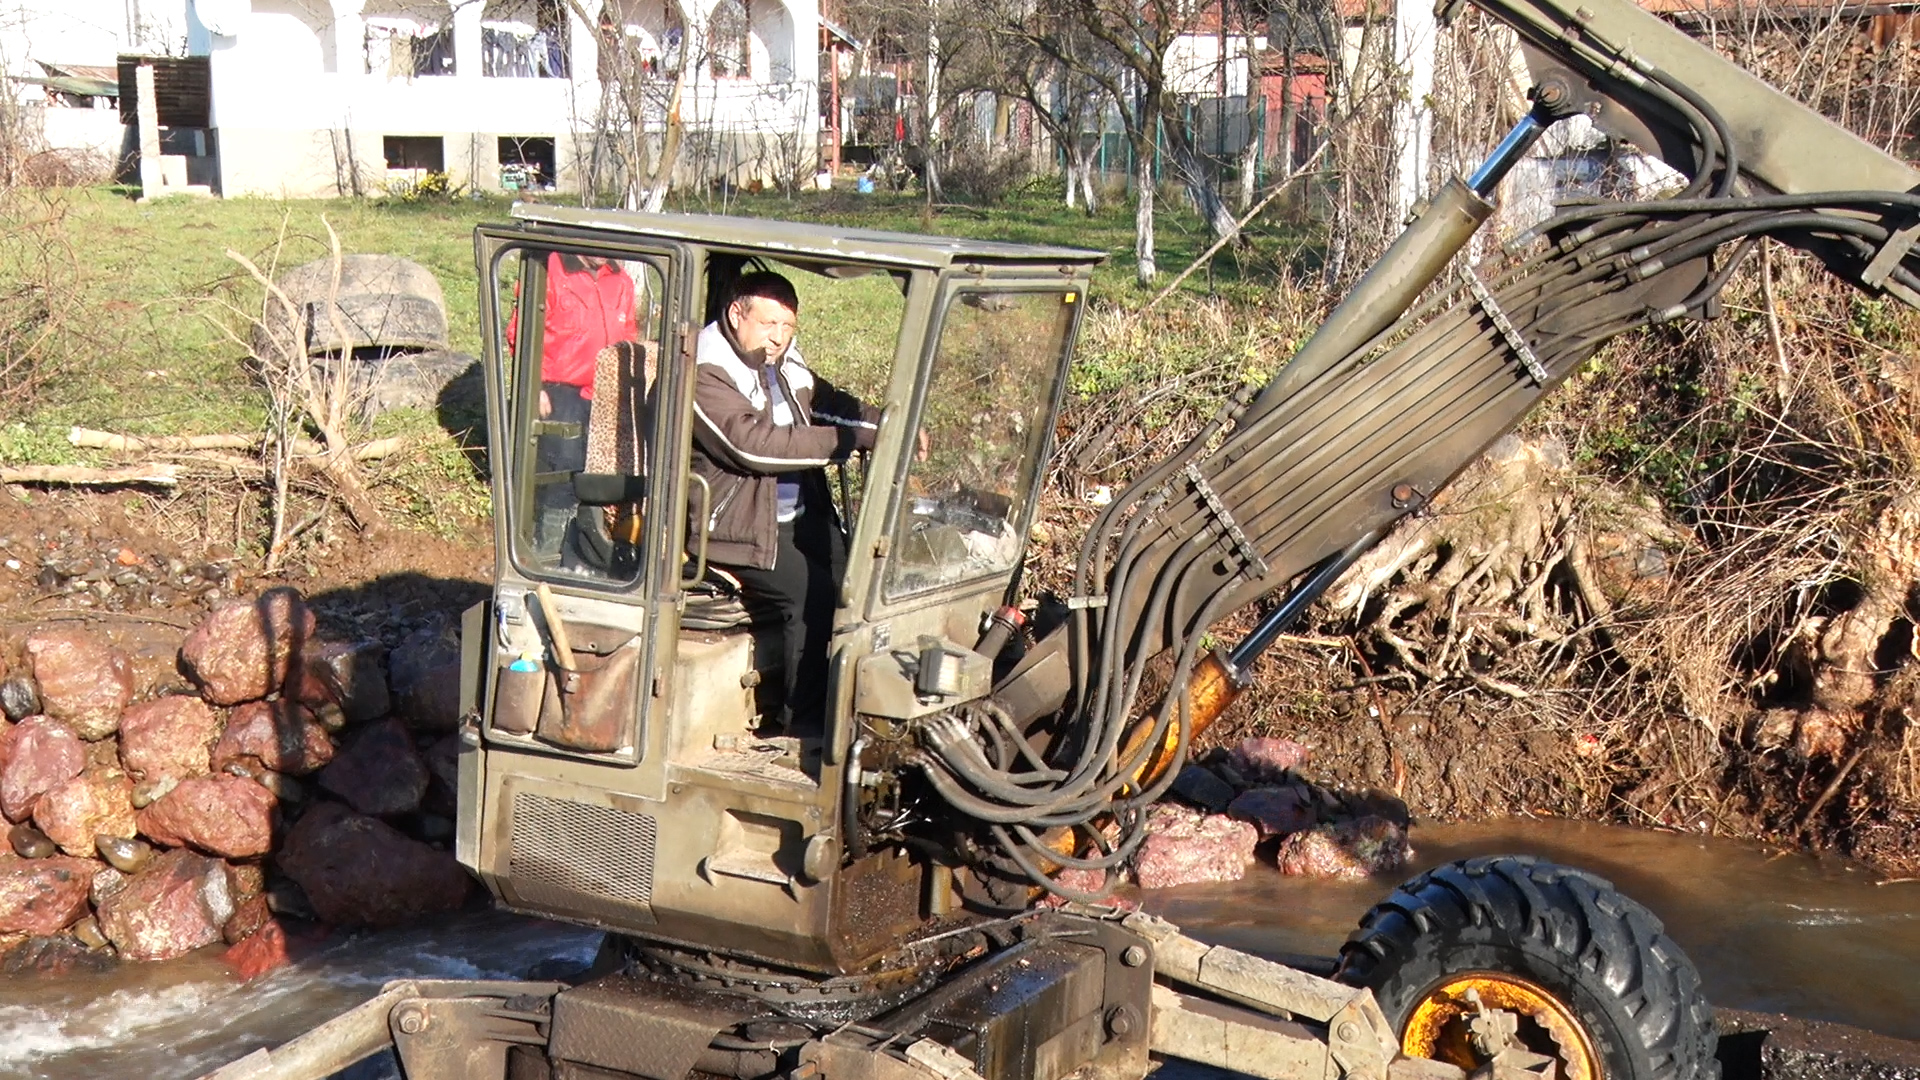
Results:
<point x="559" y="454"/>
<point x="796" y="600"/>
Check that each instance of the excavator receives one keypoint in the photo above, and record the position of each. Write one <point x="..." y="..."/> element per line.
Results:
<point x="912" y="888"/>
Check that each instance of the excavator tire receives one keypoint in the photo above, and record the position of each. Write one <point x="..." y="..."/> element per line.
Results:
<point x="1591" y="976"/>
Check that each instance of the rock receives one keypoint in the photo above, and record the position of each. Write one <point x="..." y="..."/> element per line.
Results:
<point x="1200" y="786"/>
<point x="285" y="788"/>
<point x="280" y="735"/>
<point x="287" y="898"/>
<point x="246" y="649"/>
<point x="127" y="854"/>
<point x="7" y="728"/>
<point x="19" y="698"/>
<point x="52" y="956"/>
<point x="45" y="754"/>
<point x="42" y="896"/>
<point x="359" y="871"/>
<point x="426" y="679"/>
<point x="87" y="932"/>
<point x="146" y="792"/>
<point x="29" y="842"/>
<point x="378" y="771"/>
<point x="246" y="879"/>
<point x="168" y="739"/>
<point x="1266" y="759"/>
<point x="265" y="949"/>
<point x="1275" y="811"/>
<point x="1373" y="802"/>
<point x="106" y="881"/>
<point x="1184" y="846"/>
<point x="1351" y="849"/>
<point x="352" y="677"/>
<point x="226" y="815"/>
<point x="249" y="915"/>
<point x="82" y="681"/>
<point x="175" y="906"/>
<point x="99" y="800"/>
<point x="1085" y="881"/>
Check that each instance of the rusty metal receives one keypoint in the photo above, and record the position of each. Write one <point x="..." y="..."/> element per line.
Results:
<point x="1471" y="1018"/>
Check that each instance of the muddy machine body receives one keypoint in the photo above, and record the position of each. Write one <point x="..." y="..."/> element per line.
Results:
<point x="856" y="897"/>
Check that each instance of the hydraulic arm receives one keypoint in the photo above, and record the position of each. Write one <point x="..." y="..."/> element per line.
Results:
<point x="1387" y="402"/>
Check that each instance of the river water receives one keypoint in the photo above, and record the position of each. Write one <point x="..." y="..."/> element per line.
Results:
<point x="1770" y="932"/>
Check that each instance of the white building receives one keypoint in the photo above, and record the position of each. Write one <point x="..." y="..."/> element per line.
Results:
<point x="325" y="97"/>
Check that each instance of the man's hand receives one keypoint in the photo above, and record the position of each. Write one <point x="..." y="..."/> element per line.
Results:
<point x="546" y="405"/>
<point x="925" y="444"/>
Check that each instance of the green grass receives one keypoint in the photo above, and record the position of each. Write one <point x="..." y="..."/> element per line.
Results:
<point x="145" y="349"/>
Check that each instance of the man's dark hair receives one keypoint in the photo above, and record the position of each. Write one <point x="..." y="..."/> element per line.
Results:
<point x="766" y="284"/>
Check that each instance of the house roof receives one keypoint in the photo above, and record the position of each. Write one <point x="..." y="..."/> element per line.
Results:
<point x="785" y="239"/>
<point x="838" y="33"/>
<point x="86" y="80"/>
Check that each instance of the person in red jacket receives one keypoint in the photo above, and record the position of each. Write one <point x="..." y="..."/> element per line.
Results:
<point x="590" y="305"/>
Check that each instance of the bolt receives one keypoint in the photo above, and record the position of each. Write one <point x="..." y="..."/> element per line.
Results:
<point x="413" y="1021"/>
<point x="1121" y="1022"/>
<point x="1552" y="92"/>
<point x="1134" y="955"/>
<point x="1347" y="1031"/>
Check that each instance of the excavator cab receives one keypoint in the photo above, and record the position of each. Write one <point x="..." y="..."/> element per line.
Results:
<point x="611" y="771"/>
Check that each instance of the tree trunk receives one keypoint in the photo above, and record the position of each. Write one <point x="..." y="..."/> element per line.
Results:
<point x="1085" y="167"/>
<point x="1143" y="212"/>
<point x="1200" y="187"/>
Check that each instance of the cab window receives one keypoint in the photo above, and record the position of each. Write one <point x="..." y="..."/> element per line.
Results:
<point x="582" y="335"/>
<point x="983" y="422"/>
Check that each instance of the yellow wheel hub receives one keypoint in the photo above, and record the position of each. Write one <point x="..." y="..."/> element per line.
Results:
<point x="1437" y="1027"/>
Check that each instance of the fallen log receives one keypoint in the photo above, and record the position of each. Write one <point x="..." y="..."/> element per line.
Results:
<point x="92" y="439"/>
<point x="161" y="474"/>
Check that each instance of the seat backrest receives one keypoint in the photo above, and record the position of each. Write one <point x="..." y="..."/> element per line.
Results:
<point x="618" y="425"/>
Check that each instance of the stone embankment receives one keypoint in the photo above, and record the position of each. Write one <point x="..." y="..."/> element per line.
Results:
<point x="275" y="776"/>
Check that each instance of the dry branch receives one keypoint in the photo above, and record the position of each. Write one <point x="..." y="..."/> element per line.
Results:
<point x="150" y="444"/>
<point x="80" y="476"/>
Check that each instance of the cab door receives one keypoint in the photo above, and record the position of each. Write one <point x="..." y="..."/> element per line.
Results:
<point x="583" y="335"/>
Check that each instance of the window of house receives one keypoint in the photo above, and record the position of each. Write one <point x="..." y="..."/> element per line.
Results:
<point x="727" y="39"/>
<point x="402" y="46"/>
<point x="524" y="39"/>
<point x="425" y="152"/>
<point x="527" y="164"/>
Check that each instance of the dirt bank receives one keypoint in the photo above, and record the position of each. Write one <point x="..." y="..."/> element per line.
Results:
<point x="1768" y="1046"/>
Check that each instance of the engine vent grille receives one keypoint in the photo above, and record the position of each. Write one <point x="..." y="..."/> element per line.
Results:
<point x="562" y="849"/>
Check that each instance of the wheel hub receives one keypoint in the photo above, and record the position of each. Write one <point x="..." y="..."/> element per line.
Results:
<point x="1450" y="1023"/>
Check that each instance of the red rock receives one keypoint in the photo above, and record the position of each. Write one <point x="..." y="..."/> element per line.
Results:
<point x="426" y="679"/>
<point x="281" y="736"/>
<point x="1185" y="846"/>
<point x="168" y="738"/>
<point x="6" y="741"/>
<point x="42" y="896"/>
<point x="246" y="649"/>
<point x="1352" y="849"/>
<point x="246" y="879"/>
<point x="249" y="915"/>
<point x="1263" y="758"/>
<point x="171" y="908"/>
<point x="352" y="676"/>
<point x="359" y="871"/>
<point x="46" y="753"/>
<point x="378" y="771"/>
<point x="82" y="681"/>
<point x="271" y="947"/>
<point x="1274" y="811"/>
<point x="99" y="800"/>
<point x="226" y="815"/>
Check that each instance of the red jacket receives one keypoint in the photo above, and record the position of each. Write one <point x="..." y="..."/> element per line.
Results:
<point x="587" y="310"/>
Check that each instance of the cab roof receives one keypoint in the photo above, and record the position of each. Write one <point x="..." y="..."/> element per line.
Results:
<point x="790" y="239"/>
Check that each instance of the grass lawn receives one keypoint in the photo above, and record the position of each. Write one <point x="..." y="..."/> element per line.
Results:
<point x="153" y="285"/>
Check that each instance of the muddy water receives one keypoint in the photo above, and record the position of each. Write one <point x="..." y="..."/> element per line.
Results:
<point x="1789" y="934"/>
<point x="1773" y="933"/>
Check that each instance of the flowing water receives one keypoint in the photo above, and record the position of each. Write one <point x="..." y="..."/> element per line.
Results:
<point x="1792" y="934"/>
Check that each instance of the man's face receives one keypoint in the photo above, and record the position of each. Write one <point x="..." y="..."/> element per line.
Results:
<point x="761" y="323"/>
